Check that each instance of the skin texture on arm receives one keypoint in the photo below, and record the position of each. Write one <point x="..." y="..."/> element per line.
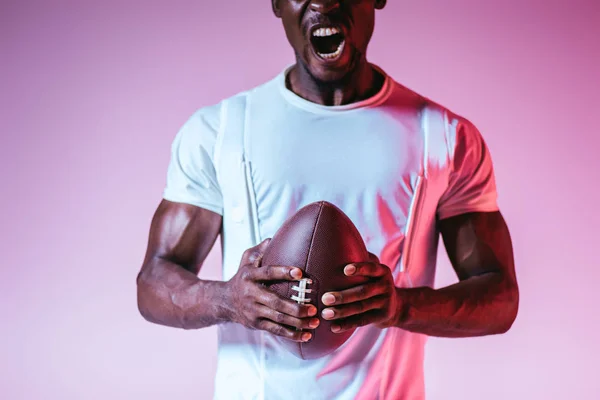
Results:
<point x="169" y="291"/>
<point x="484" y="302"/>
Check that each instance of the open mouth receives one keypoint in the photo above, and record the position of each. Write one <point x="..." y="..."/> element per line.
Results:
<point x="328" y="42"/>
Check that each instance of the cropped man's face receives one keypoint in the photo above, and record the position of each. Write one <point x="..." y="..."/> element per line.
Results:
<point x="329" y="37"/>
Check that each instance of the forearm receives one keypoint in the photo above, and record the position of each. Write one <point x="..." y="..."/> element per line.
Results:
<point x="478" y="306"/>
<point x="173" y="296"/>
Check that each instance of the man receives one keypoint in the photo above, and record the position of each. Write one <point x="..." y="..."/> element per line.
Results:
<point x="331" y="127"/>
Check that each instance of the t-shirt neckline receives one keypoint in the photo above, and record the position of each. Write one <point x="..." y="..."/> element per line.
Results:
<point x="300" y="102"/>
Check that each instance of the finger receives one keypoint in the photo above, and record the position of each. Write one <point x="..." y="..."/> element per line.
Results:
<point x="289" y="307"/>
<point x="373" y="258"/>
<point x="275" y="273"/>
<point x="357" y="293"/>
<point x="284" y="319"/>
<point x="282" y="331"/>
<point x="260" y="252"/>
<point x="263" y="245"/>
<point x="253" y="254"/>
<point x="356" y="321"/>
<point x="369" y="269"/>
<point x="349" y="310"/>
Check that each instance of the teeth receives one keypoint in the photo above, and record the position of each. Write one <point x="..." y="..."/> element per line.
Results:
<point x="321" y="32"/>
<point x="336" y="53"/>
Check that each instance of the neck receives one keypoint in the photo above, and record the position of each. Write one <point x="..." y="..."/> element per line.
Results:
<point x="364" y="82"/>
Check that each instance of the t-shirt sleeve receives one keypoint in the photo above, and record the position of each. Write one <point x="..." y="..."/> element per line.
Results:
<point x="471" y="184"/>
<point x="191" y="174"/>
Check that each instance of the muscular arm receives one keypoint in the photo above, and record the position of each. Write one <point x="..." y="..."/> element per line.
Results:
<point x="169" y="291"/>
<point x="485" y="300"/>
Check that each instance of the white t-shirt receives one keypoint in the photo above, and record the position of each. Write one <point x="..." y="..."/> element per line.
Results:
<point x="373" y="161"/>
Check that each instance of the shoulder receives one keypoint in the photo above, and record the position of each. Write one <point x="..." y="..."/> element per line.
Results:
<point x="214" y="115"/>
<point x="462" y="132"/>
<point x="450" y="137"/>
<point x="199" y="132"/>
<point x="454" y="124"/>
<point x="206" y="122"/>
<point x="457" y="132"/>
<point x="459" y="139"/>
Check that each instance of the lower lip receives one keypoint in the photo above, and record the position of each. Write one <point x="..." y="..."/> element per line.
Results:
<point x="331" y="60"/>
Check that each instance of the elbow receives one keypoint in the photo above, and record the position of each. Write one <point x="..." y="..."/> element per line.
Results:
<point x="142" y="309"/>
<point x="142" y="288"/>
<point x="510" y="309"/>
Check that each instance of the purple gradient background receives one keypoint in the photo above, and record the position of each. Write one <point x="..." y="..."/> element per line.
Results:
<point x="92" y="93"/>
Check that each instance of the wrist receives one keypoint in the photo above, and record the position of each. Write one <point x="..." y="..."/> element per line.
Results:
<point x="202" y="304"/>
<point x="225" y="302"/>
<point x="403" y="307"/>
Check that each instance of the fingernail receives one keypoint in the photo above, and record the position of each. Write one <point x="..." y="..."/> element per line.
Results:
<point x="350" y="269"/>
<point x="314" y="323"/>
<point x="328" y="313"/>
<point x="335" y="328"/>
<point x="312" y="311"/>
<point x="306" y="337"/>
<point x="328" y="299"/>
<point x="296" y="273"/>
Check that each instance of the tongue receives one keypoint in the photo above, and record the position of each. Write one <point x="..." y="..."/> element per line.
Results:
<point x="327" y="44"/>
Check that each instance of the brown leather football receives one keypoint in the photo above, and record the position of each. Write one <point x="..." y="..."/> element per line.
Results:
<point x="321" y="240"/>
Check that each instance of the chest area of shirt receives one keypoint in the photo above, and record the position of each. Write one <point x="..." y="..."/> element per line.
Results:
<point x="359" y="151"/>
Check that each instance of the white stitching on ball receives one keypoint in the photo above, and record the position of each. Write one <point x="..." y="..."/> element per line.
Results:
<point x="302" y="291"/>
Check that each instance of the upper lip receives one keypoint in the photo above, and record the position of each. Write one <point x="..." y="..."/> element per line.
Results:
<point x="313" y="28"/>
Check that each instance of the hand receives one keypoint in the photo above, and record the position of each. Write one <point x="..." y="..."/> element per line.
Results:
<point x="375" y="302"/>
<point x="256" y="307"/>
